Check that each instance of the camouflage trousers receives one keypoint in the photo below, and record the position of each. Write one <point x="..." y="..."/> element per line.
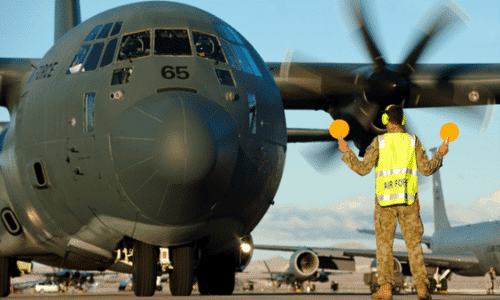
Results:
<point x="411" y="226"/>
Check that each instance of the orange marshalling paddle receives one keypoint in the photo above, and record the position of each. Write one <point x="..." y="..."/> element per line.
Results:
<point x="449" y="131"/>
<point x="339" y="127"/>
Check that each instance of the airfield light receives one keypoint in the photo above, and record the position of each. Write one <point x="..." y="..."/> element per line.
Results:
<point x="246" y="248"/>
<point x="474" y="96"/>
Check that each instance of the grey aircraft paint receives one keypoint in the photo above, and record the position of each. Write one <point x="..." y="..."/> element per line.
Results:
<point x="117" y="135"/>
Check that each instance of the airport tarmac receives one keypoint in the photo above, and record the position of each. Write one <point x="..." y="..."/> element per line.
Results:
<point x="260" y="292"/>
<point x="253" y="296"/>
<point x="351" y="286"/>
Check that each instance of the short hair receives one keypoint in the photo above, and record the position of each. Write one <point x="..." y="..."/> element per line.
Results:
<point x="395" y="113"/>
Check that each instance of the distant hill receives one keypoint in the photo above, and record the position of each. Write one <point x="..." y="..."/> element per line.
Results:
<point x="276" y="264"/>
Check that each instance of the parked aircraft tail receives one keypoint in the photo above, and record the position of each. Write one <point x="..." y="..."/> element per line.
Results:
<point x="440" y="218"/>
<point x="67" y="16"/>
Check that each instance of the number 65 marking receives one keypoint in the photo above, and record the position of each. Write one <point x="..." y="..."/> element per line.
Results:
<point x="168" y="72"/>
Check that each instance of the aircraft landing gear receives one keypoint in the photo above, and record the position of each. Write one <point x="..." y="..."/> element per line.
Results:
<point x="144" y="269"/>
<point x="444" y="285"/>
<point x="335" y="286"/>
<point x="439" y="280"/>
<point x="4" y="277"/>
<point x="216" y="275"/>
<point x="181" y="277"/>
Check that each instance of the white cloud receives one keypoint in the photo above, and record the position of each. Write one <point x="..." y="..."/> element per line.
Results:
<point x="334" y="224"/>
<point x="292" y="225"/>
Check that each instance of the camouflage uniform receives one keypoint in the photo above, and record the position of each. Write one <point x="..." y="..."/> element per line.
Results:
<point x="386" y="217"/>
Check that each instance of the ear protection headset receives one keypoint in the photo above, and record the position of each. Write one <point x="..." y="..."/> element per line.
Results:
<point x="385" y="116"/>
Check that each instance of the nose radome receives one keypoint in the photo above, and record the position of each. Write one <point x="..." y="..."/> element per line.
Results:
<point x="184" y="145"/>
<point x="166" y="147"/>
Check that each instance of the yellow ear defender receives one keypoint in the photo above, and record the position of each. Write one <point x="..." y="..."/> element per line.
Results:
<point x="385" y="116"/>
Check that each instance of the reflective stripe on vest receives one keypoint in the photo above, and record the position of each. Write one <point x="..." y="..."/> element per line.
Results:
<point x="395" y="196"/>
<point x="396" y="179"/>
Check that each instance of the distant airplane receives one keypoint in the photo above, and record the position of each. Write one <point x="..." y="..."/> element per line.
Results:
<point x="62" y="277"/>
<point x="467" y="250"/>
<point x="71" y="277"/>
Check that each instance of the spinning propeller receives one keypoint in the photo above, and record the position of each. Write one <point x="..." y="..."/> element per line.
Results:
<point x="392" y="84"/>
<point x="361" y="101"/>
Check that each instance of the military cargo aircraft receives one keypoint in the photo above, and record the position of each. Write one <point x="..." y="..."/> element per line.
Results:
<point x="468" y="250"/>
<point x="151" y="138"/>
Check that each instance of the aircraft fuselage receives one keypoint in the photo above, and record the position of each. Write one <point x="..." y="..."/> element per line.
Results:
<point x="482" y="239"/>
<point x="156" y="121"/>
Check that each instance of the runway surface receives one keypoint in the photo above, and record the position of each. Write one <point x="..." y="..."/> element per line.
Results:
<point x="252" y="296"/>
<point x="351" y="286"/>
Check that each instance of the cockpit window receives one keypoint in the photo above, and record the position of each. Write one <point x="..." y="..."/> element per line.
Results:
<point x="117" y="28"/>
<point x="225" y="77"/>
<point x="2" y="137"/>
<point x="207" y="46"/>
<point x="230" y="55"/>
<point x="121" y="76"/>
<point x="230" y="34"/>
<point x="78" y="60"/>
<point x="109" y="53"/>
<point x="135" y="45"/>
<point x="246" y="61"/>
<point x="242" y="57"/>
<point x="93" y="33"/>
<point x="105" y="31"/>
<point x="94" y="56"/>
<point x="172" y="42"/>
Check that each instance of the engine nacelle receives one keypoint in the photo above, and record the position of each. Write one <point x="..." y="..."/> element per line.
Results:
<point x="304" y="263"/>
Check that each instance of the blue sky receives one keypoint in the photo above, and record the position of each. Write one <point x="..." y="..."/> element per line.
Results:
<point x="323" y="210"/>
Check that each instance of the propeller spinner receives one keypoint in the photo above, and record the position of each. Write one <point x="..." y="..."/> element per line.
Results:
<point x="377" y="87"/>
<point x="389" y="84"/>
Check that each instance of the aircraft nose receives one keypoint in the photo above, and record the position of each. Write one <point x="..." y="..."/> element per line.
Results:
<point x="173" y="154"/>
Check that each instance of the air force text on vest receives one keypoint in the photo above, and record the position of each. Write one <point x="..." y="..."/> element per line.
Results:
<point x="395" y="183"/>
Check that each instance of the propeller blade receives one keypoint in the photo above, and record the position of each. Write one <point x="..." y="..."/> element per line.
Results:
<point x="366" y="113"/>
<point x="478" y="117"/>
<point x="324" y="157"/>
<point x="444" y="20"/>
<point x="298" y="135"/>
<point x="364" y="27"/>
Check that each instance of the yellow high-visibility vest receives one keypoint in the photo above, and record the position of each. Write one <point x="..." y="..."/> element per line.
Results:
<point x="396" y="177"/>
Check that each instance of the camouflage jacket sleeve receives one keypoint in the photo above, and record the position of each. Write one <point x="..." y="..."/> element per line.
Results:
<point x="362" y="167"/>
<point x="425" y="166"/>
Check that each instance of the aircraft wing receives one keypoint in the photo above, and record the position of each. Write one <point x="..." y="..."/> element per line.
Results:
<point x="398" y="235"/>
<point x="13" y="75"/>
<point x="350" y="92"/>
<point x="446" y="260"/>
<point x="324" y="86"/>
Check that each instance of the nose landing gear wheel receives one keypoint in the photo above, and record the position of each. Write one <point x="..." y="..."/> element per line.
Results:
<point x="181" y="277"/>
<point x="144" y="269"/>
<point x="4" y="277"/>
<point x="216" y="275"/>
